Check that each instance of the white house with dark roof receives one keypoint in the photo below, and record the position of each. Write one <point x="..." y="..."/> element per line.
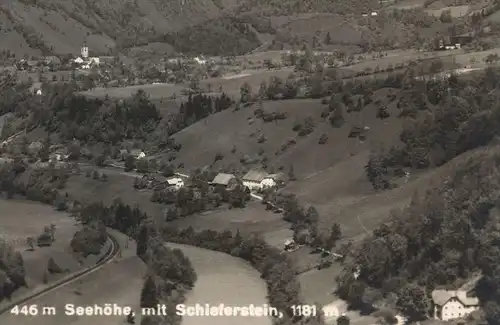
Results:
<point x="257" y="179"/>
<point x="137" y="153"/>
<point x="253" y="179"/>
<point x="452" y="304"/>
<point x="175" y="182"/>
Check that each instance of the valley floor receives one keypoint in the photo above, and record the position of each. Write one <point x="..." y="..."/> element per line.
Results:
<point x="223" y="279"/>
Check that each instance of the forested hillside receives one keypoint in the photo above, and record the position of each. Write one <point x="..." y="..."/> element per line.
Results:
<point x="37" y="27"/>
<point x="450" y="232"/>
<point x="62" y="26"/>
<point x="443" y="237"/>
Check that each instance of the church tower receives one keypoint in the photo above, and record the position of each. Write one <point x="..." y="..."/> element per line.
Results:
<point x="85" y="51"/>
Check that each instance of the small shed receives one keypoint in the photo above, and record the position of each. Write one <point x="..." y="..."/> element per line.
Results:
<point x="175" y="182"/>
<point x="290" y="245"/>
<point x="222" y="179"/>
<point x="138" y="153"/>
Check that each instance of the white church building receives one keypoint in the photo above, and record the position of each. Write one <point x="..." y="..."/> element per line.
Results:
<point x="84" y="61"/>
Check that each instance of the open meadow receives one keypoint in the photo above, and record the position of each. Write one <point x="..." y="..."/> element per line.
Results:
<point x="122" y="280"/>
<point x="20" y="219"/>
<point x="225" y="279"/>
<point x="119" y="185"/>
<point x="253" y="77"/>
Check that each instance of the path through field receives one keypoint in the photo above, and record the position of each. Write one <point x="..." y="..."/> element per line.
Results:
<point x="223" y="279"/>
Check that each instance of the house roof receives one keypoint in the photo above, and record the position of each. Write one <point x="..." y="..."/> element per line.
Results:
<point x="223" y="179"/>
<point x="276" y="177"/>
<point x="174" y="181"/>
<point x="136" y="152"/>
<point x="441" y="297"/>
<point x="255" y="176"/>
<point x="52" y="58"/>
<point x="35" y="145"/>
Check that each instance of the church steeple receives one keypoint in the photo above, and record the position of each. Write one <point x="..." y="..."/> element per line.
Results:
<point x="85" y="51"/>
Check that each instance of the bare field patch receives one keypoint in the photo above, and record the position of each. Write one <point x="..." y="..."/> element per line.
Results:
<point x="223" y="278"/>
<point x="254" y="79"/>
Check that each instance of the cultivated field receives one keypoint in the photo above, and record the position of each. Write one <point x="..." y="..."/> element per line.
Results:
<point x="119" y="282"/>
<point x="223" y="279"/>
<point x="254" y="79"/>
<point x="455" y="11"/>
<point x="155" y="91"/>
<point x="20" y="219"/>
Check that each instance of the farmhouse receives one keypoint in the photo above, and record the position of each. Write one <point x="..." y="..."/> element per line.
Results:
<point x="137" y="153"/>
<point x="35" y="147"/>
<point x="223" y="180"/>
<point x="449" y="304"/>
<point x="257" y="179"/>
<point x="253" y="179"/>
<point x="272" y="180"/>
<point x="290" y="245"/>
<point x="36" y="88"/>
<point x="175" y="182"/>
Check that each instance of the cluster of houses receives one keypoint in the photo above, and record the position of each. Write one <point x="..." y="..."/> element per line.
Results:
<point x="452" y="43"/>
<point x="154" y="181"/>
<point x="44" y="64"/>
<point x="254" y="180"/>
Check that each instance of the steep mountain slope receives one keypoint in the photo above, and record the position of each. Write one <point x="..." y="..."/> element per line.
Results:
<point x="37" y="27"/>
<point x="62" y="26"/>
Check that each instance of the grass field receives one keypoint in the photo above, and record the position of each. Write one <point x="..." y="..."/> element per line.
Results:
<point x="119" y="282"/>
<point x="254" y="79"/>
<point x="155" y="91"/>
<point x="20" y="219"/>
<point x="118" y="186"/>
<point x="456" y="11"/>
<point x="253" y="219"/>
<point x="223" y="279"/>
